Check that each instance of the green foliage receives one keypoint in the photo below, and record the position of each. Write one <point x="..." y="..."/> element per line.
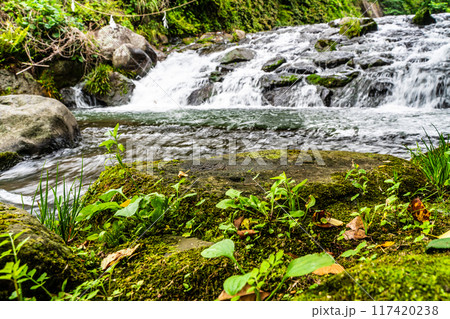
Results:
<point x="435" y="162"/>
<point x="16" y="272"/>
<point x="61" y="215"/>
<point x="12" y="39"/>
<point x="439" y="244"/>
<point x="351" y="28"/>
<point x="400" y="7"/>
<point x="48" y="83"/>
<point x="359" y="180"/>
<point x="98" y="80"/>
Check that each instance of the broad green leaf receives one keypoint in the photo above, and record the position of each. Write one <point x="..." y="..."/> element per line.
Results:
<point x="234" y="284"/>
<point x="106" y="197"/>
<point x="311" y="202"/>
<point x="222" y="248"/>
<point x="265" y="265"/>
<point x="349" y="253"/>
<point x="307" y="264"/>
<point x="130" y="210"/>
<point x="232" y="193"/>
<point x="296" y="188"/>
<point x="226" y="203"/>
<point x="443" y="243"/>
<point x="88" y="211"/>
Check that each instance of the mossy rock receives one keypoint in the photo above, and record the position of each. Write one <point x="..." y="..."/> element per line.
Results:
<point x="325" y="45"/>
<point x="44" y="251"/>
<point x="398" y="277"/>
<point x="353" y="27"/>
<point x="8" y="160"/>
<point x="423" y="17"/>
<point x="273" y="64"/>
<point x="333" y="80"/>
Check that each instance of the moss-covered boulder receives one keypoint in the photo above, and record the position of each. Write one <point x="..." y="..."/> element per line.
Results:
<point x="8" y="160"/>
<point x="325" y="45"/>
<point x="44" y="251"/>
<point x="332" y="80"/>
<point x="334" y="59"/>
<point x="273" y="64"/>
<point x="423" y="17"/>
<point x="271" y="81"/>
<point x="238" y="55"/>
<point x="354" y="27"/>
<point x="403" y="277"/>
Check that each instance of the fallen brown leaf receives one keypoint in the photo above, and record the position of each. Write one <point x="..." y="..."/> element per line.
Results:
<point x="445" y="235"/>
<point x="330" y="222"/>
<point x="333" y="269"/>
<point x="355" y="234"/>
<point x="418" y="211"/>
<point x="243" y="233"/>
<point x="356" y="223"/>
<point x="114" y="258"/>
<point x="182" y="174"/>
<point x="125" y="203"/>
<point x="387" y="244"/>
<point x="238" y="221"/>
<point x="243" y="294"/>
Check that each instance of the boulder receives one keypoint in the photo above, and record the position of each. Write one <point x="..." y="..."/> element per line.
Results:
<point x="68" y="97"/>
<point x="109" y="39"/>
<point x="370" y="62"/>
<point x="44" y="251"/>
<point x="238" y="55"/>
<point x="201" y="95"/>
<point x="24" y="83"/>
<point x="132" y="59"/>
<point x="121" y="90"/>
<point x="423" y="17"/>
<point x="301" y="67"/>
<point x="271" y="81"/>
<point x="332" y="80"/>
<point x="8" y="160"/>
<point x="215" y="37"/>
<point x="66" y="73"/>
<point x="35" y="125"/>
<point x="240" y="35"/>
<point x="273" y="64"/>
<point x="354" y="27"/>
<point x="325" y="95"/>
<point x="323" y="45"/>
<point x="332" y="59"/>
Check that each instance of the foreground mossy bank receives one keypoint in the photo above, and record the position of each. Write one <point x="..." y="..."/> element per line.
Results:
<point x="153" y="274"/>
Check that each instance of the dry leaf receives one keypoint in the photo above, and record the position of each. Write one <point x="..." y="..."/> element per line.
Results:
<point x="330" y="222"/>
<point x="238" y="221"/>
<point x="445" y="235"/>
<point x="356" y="223"/>
<point x="125" y="203"/>
<point x="355" y="234"/>
<point x="182" y="174"/>
<point x="113" y="258"/>
<point x="387" y="244"/>
<point x="243" y="233"/>
<point x="83" y="245"/>
<point x="333" y="269"/>
<point x="244" y="295"/>
<point x="418" y="211"/>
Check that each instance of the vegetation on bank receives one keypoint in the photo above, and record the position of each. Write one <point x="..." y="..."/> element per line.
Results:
<point x="274" y="237"/>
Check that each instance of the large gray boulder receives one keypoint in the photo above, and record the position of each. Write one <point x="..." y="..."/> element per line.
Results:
<point x="201" y="95"/>
<point x="111" y="39"/>
<point x="332" y="59"/>
<point x="24" y="83"/>
<point x="44" y="251"/>
<point x="238" y="55"/>
<point x="35" y="125"/>
<point x="66" y="73"/>
<point x="132" y="59"/>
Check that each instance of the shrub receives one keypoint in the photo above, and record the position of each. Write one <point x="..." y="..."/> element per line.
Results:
<point x="98" y="81"/>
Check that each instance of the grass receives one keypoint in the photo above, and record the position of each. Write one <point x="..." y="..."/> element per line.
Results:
<point x="435" y="162"/>
<point x="61" y="216"/>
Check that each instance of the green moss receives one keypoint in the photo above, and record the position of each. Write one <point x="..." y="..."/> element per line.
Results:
<point x="98" y="80"/>
<point x="397" y="277"/>
<point x="273" y="66"/>
<point x="423" y="17"/>
<point x="352" y="28"/>
<point x="323" y="45"/>
<point x="8" y="160"/>
<point x="331" y="81"/>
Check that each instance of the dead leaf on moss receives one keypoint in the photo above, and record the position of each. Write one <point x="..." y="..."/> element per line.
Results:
<point x="323" y="219"/>
<point x="244" y="233"/>
<point x="238" y="221"/>
<point x="418" y="210"/>
<point x="355" y="234"/>
<point x="243" y="294"/>
<point x="333" y="269"/>
<point x="356" y="223"/>
<point x="182" y="174"/>
<point x="114" y="258"/>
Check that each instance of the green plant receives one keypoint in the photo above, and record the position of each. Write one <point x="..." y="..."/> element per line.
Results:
<point x="62" y="214"/>
<point x="98" y="81"/>
<point x="16" y="272"/>
<point x="359" y="180"/>
<point x="357" y="251"/>
<point x="11" y="39"/>
<point x="257" y="278"/>
<point x="48" y="83"/>
<point x="435" y="162"/>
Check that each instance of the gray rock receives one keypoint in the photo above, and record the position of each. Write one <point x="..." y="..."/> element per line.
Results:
<point x="121" y="90"/>
<point x="299" y="68"/>
<point x="240" y="34"/>
<point x="238" y="55"/>
<point x="201" y="95"/>
<point x="44" y="251"/>
<point x="271" y="81"/>
<point x="370" y="62"/>
<point x="132" y="59"/>
<point x="325" y="95"/>
<point x="273" y="64"/>
<point x="332" y="59"/>
<point x="24" y="83"/>
<point x="68" y="97"/>
<point x="35" y="125"/>
<point x="109" y="39"/>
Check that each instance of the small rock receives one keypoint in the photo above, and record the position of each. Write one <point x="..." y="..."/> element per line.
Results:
<point x="325" y="95"/>
<point x="132" y="59"/>
<point x="299" y="68"/>
<point x="238" y="55"/>
<point x="370" y="62"/>
<point x="423" y="17"/>
<point x="68" y="97"/>
<point x="273" y="64"/>
<point x="201" y="95"/>
<point x="24" y="83"/>
<point x="240" y="34"/>
<point x="331" y="60"/>
<point x="332" y="80"/>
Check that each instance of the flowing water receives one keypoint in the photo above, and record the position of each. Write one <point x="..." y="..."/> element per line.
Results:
<point x="383" y="110"/>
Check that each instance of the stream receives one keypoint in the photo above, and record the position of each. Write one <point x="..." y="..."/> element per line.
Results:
<point x="384" y="110"/>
